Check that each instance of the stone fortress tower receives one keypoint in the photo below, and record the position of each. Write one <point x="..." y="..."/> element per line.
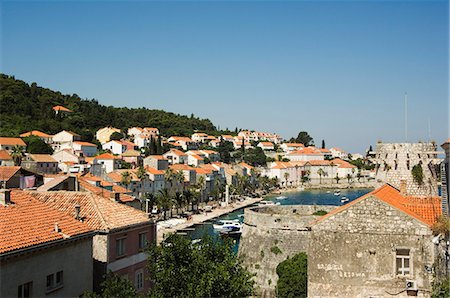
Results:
<point x="394" y="162"/>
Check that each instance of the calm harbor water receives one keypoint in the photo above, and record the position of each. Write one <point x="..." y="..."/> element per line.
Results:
<point x="307" y="197"/>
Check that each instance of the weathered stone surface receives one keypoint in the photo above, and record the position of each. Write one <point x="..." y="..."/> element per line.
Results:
<point x="353" y="253"/>
<point x="268" y="228"/>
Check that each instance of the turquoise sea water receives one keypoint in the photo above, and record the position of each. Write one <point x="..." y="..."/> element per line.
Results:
<point x="307" y="197"/>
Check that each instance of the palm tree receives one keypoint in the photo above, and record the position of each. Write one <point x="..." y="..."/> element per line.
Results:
<point x="178" y="199"/>
<point x="349" y="177"/>
<point x="152" y="201"/>
<point x="164" y="200"/>
<point x="337" y="178"/>
<point x="179" y="177"/>
<point x="286" y="177"/>
<point x="169" y="176"/>
<point x="17" y="154"/>
<point x="126" y="179"/>
<point x="188" y="198"/>
<point x="141" y="175"/>
<point x="320" y="172"/>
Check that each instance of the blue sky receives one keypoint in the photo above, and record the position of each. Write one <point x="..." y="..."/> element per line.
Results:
<point x="337" y="69"/>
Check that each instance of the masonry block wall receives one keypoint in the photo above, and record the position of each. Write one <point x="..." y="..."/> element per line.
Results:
<point x="395" y="161"/>
<point x="353" y="253"/>
<point x="270" y="235"/>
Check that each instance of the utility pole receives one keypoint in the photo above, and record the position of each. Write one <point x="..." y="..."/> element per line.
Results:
<point x="406" y="117"/>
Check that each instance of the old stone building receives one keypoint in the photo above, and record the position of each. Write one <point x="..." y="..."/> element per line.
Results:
<point x="394" y="162"/>
<point x="270" y="235"/>
<point x="380" y="245"/>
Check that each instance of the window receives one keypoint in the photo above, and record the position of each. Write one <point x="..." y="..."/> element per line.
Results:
<point x="120" y="247"/>
<point x="402" y="262"/>
<point x="25" y="290"/>
<point x="59" y="278"/>
<point x="142" y="240"/>
<point x="139" y="279"/>
<point x="50" y="281"/>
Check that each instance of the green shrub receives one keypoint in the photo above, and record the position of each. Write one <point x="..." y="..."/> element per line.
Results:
<point x="293" y="277"/>
<point x="320" y="212"/>
<point x="275" y="249"/>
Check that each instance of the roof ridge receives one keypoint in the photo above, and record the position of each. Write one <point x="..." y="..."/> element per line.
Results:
<point x="97" y="209"/>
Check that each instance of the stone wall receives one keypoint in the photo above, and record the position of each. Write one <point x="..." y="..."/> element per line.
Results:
<point x="395" y="161"/>
<point x="353" y="253"/>
<point x="270" y="235"/>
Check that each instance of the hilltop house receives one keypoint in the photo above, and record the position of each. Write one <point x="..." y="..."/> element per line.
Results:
<point x="287" y="147"/>
<point x="158" y="162"/>
<point x="266" y="146"/>
<point x="109" y="162"/>
<point x="17" y="177"/>
<point x="40" y="163"/>
<point x="86" y="148"/>
<point x="41" y="135"/>
<point x="338" y="153"/>
<point x="116" y="147"/>
<point x="185" y="142"/>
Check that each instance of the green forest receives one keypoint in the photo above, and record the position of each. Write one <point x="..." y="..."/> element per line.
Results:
<point x="25" y="107"/>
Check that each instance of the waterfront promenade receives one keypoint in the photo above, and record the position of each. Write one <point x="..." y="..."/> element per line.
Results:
<point x="199" y="218"/>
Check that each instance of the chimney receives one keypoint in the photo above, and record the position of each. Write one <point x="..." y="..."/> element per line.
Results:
<point x="57" y="230"/>
<point x="115" y="196"/>
<point x="5" y="197"/>
<point x="403" y="187"/>
<point x="77" y="211"/>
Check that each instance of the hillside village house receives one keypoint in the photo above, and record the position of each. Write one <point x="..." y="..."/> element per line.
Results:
<point x="305" y="154"/>
<point x="108" y="161"/>
<point x="60" y="110"/>
<point x="86" y="148"/>
<point x="195" y="160"/>
<point x="201" y="137"/>
<point x="378" y="245"/>
<point x="259" y="136"/>
<point x="190" y="175"/>
<point x="122" y="233"/>
<point x="266" y="146"/>
<point x="338" y="153"/>
<point x="41" y="135"/>
<point x="158" y="162"/>
<point x="40" y="163"/>
<point x="185" y="142"/>
<point x="175" y="156"/>
<point x="9" y="143"/>
<point x="65" y="137"/>
<point x="287" y="147"/>
<point x="237" y="143"/>
<point x="69" y="162"/>
<point x="212" y="155"/>
<point x="143" y="140"/>
<point x="150" y="131"/>
<point x="103" y="135"/>
<point x="133" y="157"/>
<point x="5" y="158"/>
<point x="116" y="147"/>
<point x="157" y="179"/>
<point x="42" y="250"/>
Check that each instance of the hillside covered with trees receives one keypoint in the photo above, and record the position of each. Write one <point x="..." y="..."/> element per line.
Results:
<point x="26" y="107"/>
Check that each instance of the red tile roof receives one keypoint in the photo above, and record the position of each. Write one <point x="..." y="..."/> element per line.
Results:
<point x="6" y="172"/>
<point x="4" y="155"/>
<point x="36" y="133"/>
<point x="176" y="152"/>
<point x="62" y="109"/>
<point x="426" y="210"/>
<point x="12" y="141"/>
<point x="342" y="163"/>
<point x="154" y="171"/>
<point x="87" y="144"/>
<point x="28" y="222"/>
<point x="106" y="156"/>
<point x="181" y="167"/>
<point x="42" y="158"/>
<point x="98" y="213"/>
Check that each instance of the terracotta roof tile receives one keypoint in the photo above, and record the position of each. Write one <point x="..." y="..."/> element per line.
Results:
<point x="426" y="210"/>
<point x="98" y="213"/>
<point x="42" y="157"/>
<point x="105" y="156"/>
<point x="4" y="155"/>
<point x="28" y="222"/>
<point x="12" y="141"/>
<point x="87" y="144"/>
<point x="7" y="172"/>
<point x="36" y="133"/>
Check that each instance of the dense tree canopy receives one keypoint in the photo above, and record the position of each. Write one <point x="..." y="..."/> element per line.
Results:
<point x="29" y="107"/>
<point x="37" y="146"/>
<point x="304" y="138"/>
<point x="293" y="277"/>
<point x="207" y="269"/>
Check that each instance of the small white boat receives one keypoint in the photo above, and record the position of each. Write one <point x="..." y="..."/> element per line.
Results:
<point x="233" y="231"/>
<point x="227" y="225"/>
<point x="281" y="198"/>
<point x="268" y="203"/>
<point x="344" y="200"/>
<point x="328" y="191"/>
<point x="337" y="193"/>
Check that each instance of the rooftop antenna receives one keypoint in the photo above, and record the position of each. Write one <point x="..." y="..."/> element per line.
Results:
<point x="406" y="117"/>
